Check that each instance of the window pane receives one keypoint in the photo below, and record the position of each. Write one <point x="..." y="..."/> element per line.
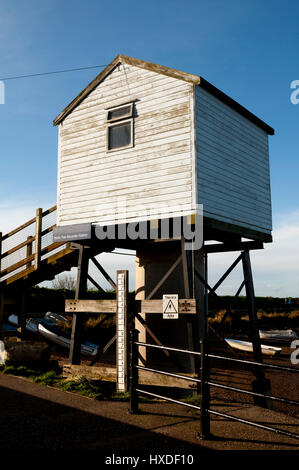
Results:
<point x="125" y="111"/>
<point x="119" y="136"/>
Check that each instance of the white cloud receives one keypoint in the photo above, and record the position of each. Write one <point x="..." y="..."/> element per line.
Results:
<point x="14" y="213"/>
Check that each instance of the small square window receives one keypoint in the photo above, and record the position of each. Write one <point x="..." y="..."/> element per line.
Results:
<point x="120" y="135"/>
<point x="119" y="127"/>
<point x="120" y="113"/>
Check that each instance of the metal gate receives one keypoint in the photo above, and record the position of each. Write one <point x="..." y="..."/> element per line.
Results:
<point x="203" y="380"/>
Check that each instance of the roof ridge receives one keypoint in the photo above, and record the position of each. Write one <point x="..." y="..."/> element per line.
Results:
<point x="170" y="72"/>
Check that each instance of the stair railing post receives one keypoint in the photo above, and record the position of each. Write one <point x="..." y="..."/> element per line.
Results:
<point x="28" y="251"/>
<point x="38" y="237"/>
<point x="134" y="334"/>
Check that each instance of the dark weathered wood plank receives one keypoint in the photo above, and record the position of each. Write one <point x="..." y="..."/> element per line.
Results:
<point x="49" y="211"/>
<point x="17" y="265"/>
<point x="90" y="306"/>
<point x="186" y="306"/>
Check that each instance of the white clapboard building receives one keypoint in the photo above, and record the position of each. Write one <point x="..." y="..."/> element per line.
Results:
<point x="143" y="141"/>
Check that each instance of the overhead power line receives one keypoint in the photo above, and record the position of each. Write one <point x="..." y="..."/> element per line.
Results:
<point x="51" y="73"/>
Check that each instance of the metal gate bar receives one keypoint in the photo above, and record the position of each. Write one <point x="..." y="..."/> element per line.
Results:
<point x="251" y="423"/>
<point x="254" y="363"/>
<point x="205" y="405"/>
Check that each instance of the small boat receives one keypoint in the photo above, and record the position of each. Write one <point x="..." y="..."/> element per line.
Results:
<point x="52" y="333"/>
<point x="55" y="317"/>
<point x="247" y="346"/>
<point x="31" y="323"/>
<point x="278" y="335"/>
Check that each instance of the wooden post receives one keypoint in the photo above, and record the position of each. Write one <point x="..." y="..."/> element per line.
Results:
<point x="121" y="330"/>
<point x="261" y="385"/>
<point x="257" y="352"/>
<point x="81" y="287"/>
<point x="140" y="295"/>
<point x="38" y="238"/>
<point x="188" y="273"/>
<point x="28" y="251"/>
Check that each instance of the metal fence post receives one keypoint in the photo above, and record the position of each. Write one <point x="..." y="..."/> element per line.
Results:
<point x="133" y="371"/>
<point x="205" y="392"/>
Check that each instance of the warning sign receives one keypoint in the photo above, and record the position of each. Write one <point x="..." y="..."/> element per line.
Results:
<point x="171" y="306"/>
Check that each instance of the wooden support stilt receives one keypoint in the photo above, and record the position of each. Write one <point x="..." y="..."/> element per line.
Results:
<point x="81" y="287"/>
<point x="189" y="278"/>
<point x="91" y="279"/>
<point x="260" y="385"/>
<point x="187" y="272"/>
<point x="104" y="273"/>
<point x="257" y="351"/>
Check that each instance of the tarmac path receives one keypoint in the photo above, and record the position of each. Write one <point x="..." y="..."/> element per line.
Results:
<point x="36" y="417"/>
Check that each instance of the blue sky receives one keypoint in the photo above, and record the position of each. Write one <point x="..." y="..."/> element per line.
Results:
<point x="247" y="49"/>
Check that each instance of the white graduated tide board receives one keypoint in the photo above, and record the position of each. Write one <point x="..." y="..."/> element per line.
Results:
<point x="170" y="306"/>
<point x="121" y="331"/>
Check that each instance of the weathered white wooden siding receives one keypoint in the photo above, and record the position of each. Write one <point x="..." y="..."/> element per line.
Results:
<point x="233" y="181"/>
<point x="156" y="173"/>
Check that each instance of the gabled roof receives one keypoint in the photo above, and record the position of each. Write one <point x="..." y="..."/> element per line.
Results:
<point x="187" y="77"/>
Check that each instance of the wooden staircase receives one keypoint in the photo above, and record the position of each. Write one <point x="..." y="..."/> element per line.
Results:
<point x="29" y="256"/>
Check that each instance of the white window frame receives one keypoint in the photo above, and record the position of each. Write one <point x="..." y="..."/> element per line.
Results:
<point x="113" y="122"/>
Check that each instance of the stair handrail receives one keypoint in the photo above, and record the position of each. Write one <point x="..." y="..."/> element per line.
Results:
<point x="31" y="260"/>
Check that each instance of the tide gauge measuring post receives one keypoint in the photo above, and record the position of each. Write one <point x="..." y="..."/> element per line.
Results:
<point x="121" y="330"/>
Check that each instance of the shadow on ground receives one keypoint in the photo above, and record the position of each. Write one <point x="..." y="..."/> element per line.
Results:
<point x="31" y="423"/>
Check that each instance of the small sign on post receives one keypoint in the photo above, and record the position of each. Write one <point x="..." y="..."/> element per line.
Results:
<point x="121" y="330"/>
<point x="170" y="306"/>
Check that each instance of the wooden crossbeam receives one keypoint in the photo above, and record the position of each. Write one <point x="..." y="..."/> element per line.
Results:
<point x="102" y="271"/>
<point x="235" y="246"/>
<point x="92" y="280"/>
<point x="90" y="306"/>
<point x="186" y="306"/>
